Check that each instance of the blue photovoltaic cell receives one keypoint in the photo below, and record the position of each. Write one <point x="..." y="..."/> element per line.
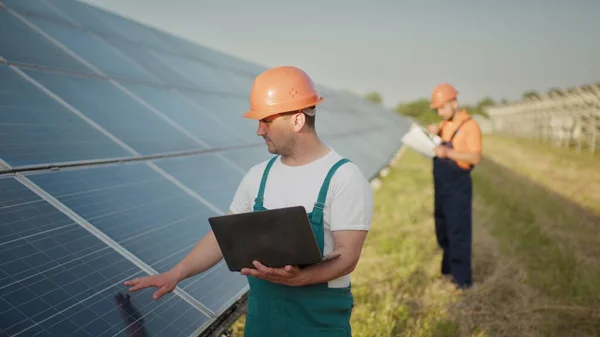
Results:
<point x="57" y="279"/>
<point x="145" y="213"/>
<point x="206" y="174"/>
<point x="134" y="31"/>
<point x="152" y="64"/>
<point x="102" y="21"/>
<point x="213" y="56"/>
<point x="85" y="15"/>
<point x="217" y="288"/>
<point x="35" y="7"/>
<point x="204" y="77"/>
<point x="95" y="51"/>
<point x="117" y="113"/>
<point x="230" y="110"/>
<point x="35" y="129"/>
<point x="20" y="43"/>
<point x="196" y="120"/>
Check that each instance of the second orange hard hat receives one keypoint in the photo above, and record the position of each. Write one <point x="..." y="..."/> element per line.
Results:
<point x="281" y="89"/>
<point x="442" y="94"/>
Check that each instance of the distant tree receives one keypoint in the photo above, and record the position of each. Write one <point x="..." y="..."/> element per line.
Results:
<point x="374" y="97"/>
<point x="555" y="92"/>
<point x="504" y="101"/>
<point x="418" y="110"/>
<point x="479" y="109"/>
<point x="531" y="94"/>
<point x="485" y="102"/>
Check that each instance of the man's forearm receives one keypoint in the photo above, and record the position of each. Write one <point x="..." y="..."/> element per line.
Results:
<point x="204" y="255"/>
<point x="329" y="270"/>
<point x="469" y="157"/>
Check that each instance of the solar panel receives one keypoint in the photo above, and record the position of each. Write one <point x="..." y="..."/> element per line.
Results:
<point x="146" y="214"/>
<point x="192" y="114"/>
<point x="36" y="129"/>
<point x="94" y="50"/>
<point x="207" y="175"/>
<point x="58" y="279"/>
<point x="24" y="45"/>
<point x="32" y="7"/>
<point x="118" y="142"/>
<point x="115" y="111"/>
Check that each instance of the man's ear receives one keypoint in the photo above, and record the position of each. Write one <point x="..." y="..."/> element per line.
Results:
<point x="298" y="121"/>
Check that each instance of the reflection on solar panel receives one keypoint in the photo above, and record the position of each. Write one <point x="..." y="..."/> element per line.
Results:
<point x="118" y="141"/>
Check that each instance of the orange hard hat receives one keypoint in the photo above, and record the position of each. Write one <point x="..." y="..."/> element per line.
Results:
<point x="281" y="89"/>
<point x="442" y="94"/>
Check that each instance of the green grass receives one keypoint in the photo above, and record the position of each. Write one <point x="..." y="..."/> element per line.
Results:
<point x="397" y="289"/>
<point x="536" y="261"/>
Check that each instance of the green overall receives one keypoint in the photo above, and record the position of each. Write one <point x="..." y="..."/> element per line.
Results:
<point x="276" y="310"/>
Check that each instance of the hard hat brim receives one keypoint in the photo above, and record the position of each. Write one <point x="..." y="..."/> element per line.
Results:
<point x="439" y="104"/>
<point x="258" y="115"/>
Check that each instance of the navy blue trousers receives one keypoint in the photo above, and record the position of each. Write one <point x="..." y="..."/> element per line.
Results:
<point x="453" y="189"/>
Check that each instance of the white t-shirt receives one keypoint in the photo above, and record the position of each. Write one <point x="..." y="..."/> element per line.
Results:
<point x="349" y="204"/>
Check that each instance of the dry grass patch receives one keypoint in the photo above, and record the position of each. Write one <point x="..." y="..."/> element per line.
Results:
<point x="572" y="175"/>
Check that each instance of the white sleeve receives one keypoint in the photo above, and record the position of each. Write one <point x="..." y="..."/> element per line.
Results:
<point x="242" y="200"/>
<point x="352" y="203"/>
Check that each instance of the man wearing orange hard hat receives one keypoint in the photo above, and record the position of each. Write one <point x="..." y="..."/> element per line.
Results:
<point x="315" y="300"/>
<point x="454" y="159"/>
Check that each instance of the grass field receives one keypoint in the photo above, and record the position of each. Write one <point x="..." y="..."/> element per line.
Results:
<point x="536" y="254"/>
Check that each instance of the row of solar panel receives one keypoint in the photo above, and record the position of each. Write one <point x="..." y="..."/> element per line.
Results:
<point x="72" y="36"/>
<point x="40" y="123"/>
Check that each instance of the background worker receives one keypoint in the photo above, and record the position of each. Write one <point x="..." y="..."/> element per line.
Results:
<point x="459" y="152"/>
<point x="316" y="300"/>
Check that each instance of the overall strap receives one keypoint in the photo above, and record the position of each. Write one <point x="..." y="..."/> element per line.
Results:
<point x="258" y="202"/>
<point x="458" y="128"/>
<point x="317" y="213"/>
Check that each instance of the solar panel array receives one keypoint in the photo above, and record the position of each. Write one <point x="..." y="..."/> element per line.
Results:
<point x="117" y="142"/>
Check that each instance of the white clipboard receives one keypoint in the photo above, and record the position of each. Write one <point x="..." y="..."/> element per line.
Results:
<point x="419" y="139"/>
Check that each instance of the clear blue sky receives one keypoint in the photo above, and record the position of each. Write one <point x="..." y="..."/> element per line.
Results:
<point x="401" y="49"/>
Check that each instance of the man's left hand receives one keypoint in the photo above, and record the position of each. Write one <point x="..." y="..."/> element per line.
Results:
<point x="289" y="275"/>
<point x="441" y="151"/>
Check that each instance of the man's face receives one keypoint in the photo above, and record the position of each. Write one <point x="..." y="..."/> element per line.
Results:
<point x="448" y="110"/>
<point x="279" y="132"/>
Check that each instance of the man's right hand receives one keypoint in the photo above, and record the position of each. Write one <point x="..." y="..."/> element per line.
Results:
<point x="205" y="254"/>
<point x="433" y="128"/>
<point x="165" y="282"/>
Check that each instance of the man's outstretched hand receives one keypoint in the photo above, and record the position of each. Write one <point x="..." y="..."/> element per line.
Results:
<point x="288" y="275"/>
<point x="165" y="282"/>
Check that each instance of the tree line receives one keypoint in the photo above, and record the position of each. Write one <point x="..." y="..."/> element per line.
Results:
<point x="419" y="109"/>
